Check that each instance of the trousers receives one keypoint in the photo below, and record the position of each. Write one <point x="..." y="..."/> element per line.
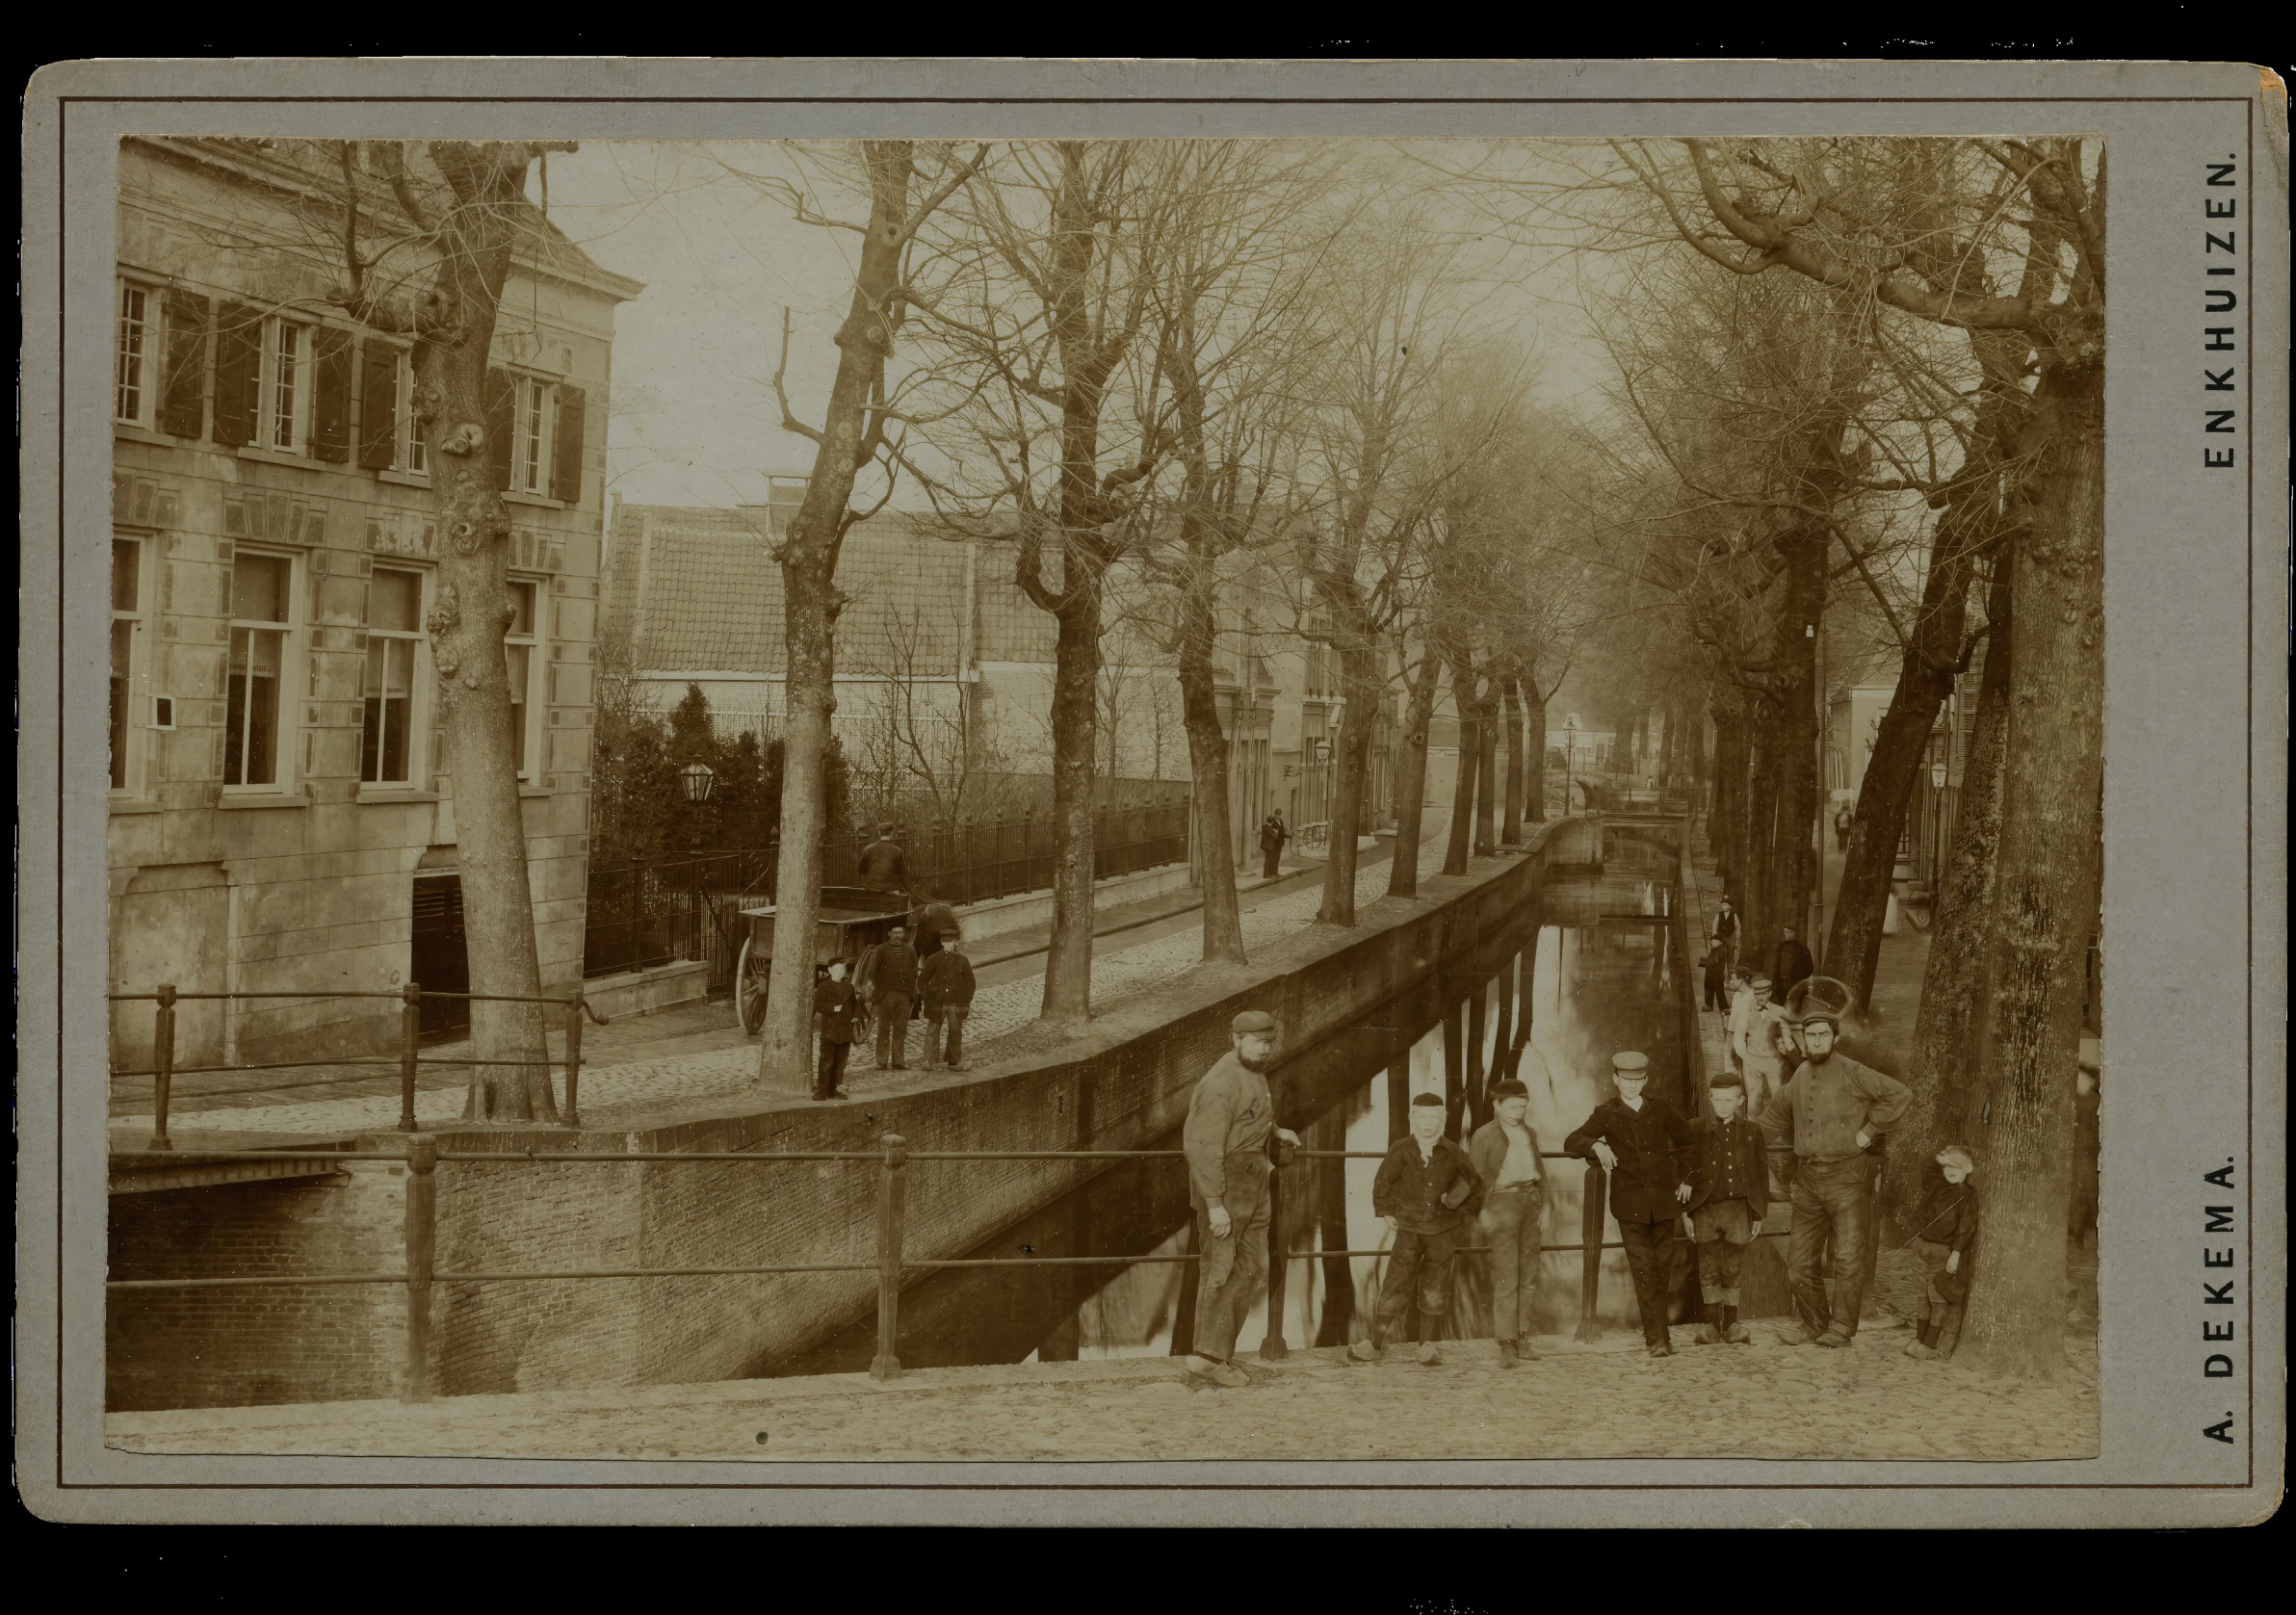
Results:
<point x="832" y="1068"/>
<point x="1836" y="1197"/>
<point x="1232" y="1271"/>
<point x="938" y="1051"/>
<point x="892" y="1012"/>
<point x="1649" y="1258"/>
<point x="1418" y="1270"/>
<point x="1724" y="1229"/>
<point x="1274" y="856"/>
<point x="1514" y="1228"/>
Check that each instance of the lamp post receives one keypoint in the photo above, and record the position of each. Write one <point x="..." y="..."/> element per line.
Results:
<point x="1937" y="813"/>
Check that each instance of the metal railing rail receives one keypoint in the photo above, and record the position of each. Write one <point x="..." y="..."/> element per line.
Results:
<point x="420" y="1273"/>
<point x="408" y="1060"/>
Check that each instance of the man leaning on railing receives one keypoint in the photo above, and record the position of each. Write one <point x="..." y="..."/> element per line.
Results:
<point x="1231" y="1116"/>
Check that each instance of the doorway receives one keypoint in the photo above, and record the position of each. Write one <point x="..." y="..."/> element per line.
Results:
<point x="439" y="960"/>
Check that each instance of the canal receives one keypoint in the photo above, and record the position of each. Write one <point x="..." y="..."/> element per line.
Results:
<point x="1592" y="965"/>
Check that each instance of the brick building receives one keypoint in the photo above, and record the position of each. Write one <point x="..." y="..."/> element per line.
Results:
<point x="278" y="818"/>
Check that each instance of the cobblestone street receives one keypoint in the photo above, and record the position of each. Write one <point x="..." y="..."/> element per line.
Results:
<point x="705" y="1057"/>
<point x="1607" y="1400"/>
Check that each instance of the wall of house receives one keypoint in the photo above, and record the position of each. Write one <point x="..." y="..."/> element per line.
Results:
<point x="308" y="886"/>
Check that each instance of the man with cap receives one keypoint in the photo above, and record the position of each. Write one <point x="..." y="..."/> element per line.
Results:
<point x="1646" y="1146"/>
<point x="1427" y="1193"/>
<point x="1505" y="1153"/>
<point x="1760" y="1041"/>
<point x="1791" y="963"/>
<point x="1729" y="1193"/>
<point x="1725" y="935"/>
<point x="1828" y="1116"/>
<point x="884" y="867"/>
<point x="1230" y="1117"/>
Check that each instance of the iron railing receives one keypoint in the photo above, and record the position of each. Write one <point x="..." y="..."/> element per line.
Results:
<point x="891" y="1263"/>
<point x="656" y="911"/>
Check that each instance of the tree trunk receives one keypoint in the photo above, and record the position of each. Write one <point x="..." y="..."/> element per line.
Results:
<point x="1944" y="1068"/>
<point x="1510" y="827"/>
<point x="1900" y="749"/>
<point x="1471" y="750"/>
<point x="1726" y="828"/>
<point x="1758" y="880"/>
<point x="1207" y="760"/>
<point x="1358" y="675"/>
<point x="1486" y="771"/>
<point x="1411" y="781"/>
<point x="1076" y="674"/>
<point x="1795" y="858"/>
<point x="809" y="625"/>
<point x="2043" y="889"/>
<point x="1535" y="772"/>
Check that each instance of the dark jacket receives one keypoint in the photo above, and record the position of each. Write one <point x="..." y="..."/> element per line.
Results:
<point x="1729" y="1162"/>
<point x="1440" y="1194"/>
<point x="1948" y="1213"/>
<point x="1726" y="926"/>
<point x="839" y="1008"/>
<point x="1655" y="1155"/>
<point x="1487" y="1151"/>
<point x="1273" y="836"/>
<point x="1712" y="964"/>
<point x="884" y="867"/>
<point x="946" y="979"/>
<point x="890" y="967"/>
<point x="1791" y="963"/>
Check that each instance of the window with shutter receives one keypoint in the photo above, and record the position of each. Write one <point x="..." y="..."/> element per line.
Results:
<point x="378" y="404"/>
<point x="239" y="372"/>
<point x="331" y="403"/>
<point x="501" y="400"/>
<point x="565" y="471"/>
<point x="182" y="404"/>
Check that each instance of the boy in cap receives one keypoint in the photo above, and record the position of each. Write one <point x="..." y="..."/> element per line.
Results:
<point x="836" y="1010"/>
<point x="945" y="981"/>
<point x="1505" y="1153"/>
<point x="1645" y="1144"/>
<point x="1760" y="1040"/>
<point x="1943" y="1228"/>
<point x="1427" y="1193"/>
<point x="1827" y="1116"/>
<point x="1730" y="1191"/>
<point x="1230" y="1116"/>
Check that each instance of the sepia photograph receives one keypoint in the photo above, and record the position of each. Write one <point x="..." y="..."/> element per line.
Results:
<point x="1121" y="798"/>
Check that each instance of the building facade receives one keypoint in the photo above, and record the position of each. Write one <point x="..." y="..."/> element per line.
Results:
<point x="279" y="820"/>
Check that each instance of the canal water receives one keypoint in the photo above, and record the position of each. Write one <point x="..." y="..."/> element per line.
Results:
<point x="1594" y="965"/>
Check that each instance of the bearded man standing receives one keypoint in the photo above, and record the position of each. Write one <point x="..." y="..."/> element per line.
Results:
<point x="1230" y="1117"/>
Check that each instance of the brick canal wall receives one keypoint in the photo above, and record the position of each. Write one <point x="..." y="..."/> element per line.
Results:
<point x="1119" y="1086"/>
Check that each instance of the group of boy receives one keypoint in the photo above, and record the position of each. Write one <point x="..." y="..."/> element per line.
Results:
<point x="890" y="986"/>
<point x="1817" y="1127"/>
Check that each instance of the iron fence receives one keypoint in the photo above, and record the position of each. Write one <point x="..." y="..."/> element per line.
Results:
<point x="891" y="1263"/>
<point x="653" y="912"/>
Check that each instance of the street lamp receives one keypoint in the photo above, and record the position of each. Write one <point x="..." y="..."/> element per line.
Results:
<point x="698" y="779"/>
<point x="1937" y="812"/>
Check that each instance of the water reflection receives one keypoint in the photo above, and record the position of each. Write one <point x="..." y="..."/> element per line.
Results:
<point x="1595" y="968"/>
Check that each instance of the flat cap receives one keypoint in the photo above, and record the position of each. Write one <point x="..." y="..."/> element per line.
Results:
<point x="1632" y="1064"/>
<point x="1434" y="1099"/>
<point x="1252" y="1020"/>
<point x="1511" y="1089"/>
<point x="1759" y="983"/>
<point x="1726" y="1079"/>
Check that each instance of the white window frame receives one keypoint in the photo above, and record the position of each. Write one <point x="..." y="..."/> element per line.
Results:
<point x="124" y="769"/>
<point x="534" y="434"/>
<point x="301" y="378"/>
<point x="418" y="686"/>
<point x="146" y="358"/>
<point x="289" y="632"/>
<point x="526" y="703"/>
<point x="408" y="455"/>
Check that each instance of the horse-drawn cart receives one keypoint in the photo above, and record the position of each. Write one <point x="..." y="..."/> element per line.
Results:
<point x="852" y="919"/>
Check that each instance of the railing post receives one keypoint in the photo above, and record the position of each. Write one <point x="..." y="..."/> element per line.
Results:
<point x="574" y="1056"/>
<point x="162" y="1060"/>
<point x="1590" y="1254"/>
<point x="893" y="1203"/>
<point x="1273" y="1347"/>
<point x="422" y="1252"/>
<point x="636" y="909"/>
<point x="411" y="1043"/>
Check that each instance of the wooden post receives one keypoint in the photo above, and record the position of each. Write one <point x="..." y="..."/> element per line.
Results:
<point x="893" y="1203"/>
<point x="1272" y="1347"/>
<point x="162" y="1060"/>
<point x="1590" y="1263"/>
<point x="421" y="1253"/>
<point x="574" y="1054"/>
<point x="411" y="1043"/>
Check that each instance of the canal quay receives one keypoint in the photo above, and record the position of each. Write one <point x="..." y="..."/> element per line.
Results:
<point x="1059" y="1336"/>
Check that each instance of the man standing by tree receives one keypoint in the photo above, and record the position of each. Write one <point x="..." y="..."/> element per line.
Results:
<point x="1229" y="1117"/>
<point x="889" y="986"/>
<point x="1725" y="930"/>
<point x="1791" y="965"/>
<point x="1827" y="1116"/>
<point x="1273" y="836"/>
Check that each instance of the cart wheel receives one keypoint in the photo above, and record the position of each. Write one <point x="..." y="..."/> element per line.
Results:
<point x="751" y="972"/>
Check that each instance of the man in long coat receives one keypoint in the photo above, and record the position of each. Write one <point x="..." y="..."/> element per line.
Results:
<point x="1230" y="1116"/>
<point x="1645" y="1144"/>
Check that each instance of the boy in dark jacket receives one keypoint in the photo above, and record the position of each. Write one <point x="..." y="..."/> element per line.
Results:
<point x="1427" y="1193"/>
<point x="1644" y="1143"/>
<point x="1730" y="1191"/>
<point x="1714" y="966"/>
<point x="1943" y="1228"/>
<point x="946" y="979"/>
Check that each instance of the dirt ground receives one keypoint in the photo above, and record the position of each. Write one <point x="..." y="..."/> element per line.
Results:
<point x="1605" y="1401"/>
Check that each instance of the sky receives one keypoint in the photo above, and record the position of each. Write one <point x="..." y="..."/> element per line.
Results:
<point x="694" y="419"/>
